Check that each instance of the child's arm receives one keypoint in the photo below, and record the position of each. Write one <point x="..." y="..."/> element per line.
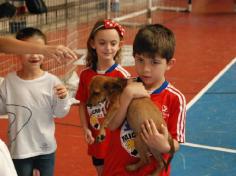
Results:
<point x="132" y="90"/>
<point x="87" y="132"/>
<point x="61" y="91"/>
<point x="2" y="106"/>
<point x="3" y="110"/>
<point x="61" y="101"/>
<point x="14" y="46"/>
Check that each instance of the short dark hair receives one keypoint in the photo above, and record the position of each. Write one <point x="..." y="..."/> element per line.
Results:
<point x="30" y="32"/>
<point x="155" y="40"/>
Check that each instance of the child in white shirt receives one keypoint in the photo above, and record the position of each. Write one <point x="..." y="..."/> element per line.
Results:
<point x="32" y="98"/>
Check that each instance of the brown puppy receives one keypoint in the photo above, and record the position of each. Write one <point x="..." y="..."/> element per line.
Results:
<point x="104" y="88"/>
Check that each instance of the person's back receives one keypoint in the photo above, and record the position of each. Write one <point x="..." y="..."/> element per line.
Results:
<point x="6" y="166"/>
<point x="153" y="51"/>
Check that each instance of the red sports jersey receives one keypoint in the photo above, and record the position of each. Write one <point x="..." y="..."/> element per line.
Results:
<point x="95" y="115"/>
<point x="173" y="106"/>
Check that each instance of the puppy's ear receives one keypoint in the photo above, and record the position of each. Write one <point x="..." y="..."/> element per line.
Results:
<point x="122" y="82"/>
<point x="110" y="86"/>
<point x="115" y="85"/>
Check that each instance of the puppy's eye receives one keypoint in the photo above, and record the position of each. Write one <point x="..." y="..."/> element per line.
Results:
<point x="106" y="86"/>
<point x="96" y="93"/>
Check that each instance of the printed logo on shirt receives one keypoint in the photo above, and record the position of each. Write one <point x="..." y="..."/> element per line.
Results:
<point x="44" y="146"/>
<point x="165" y="111"/>
<point x="127" y="139"/>
<point x="96" y="113"/>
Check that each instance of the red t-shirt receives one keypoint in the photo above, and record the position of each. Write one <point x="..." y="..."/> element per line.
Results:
<point x="122" y="150"/>
<point x="95" y="115"/>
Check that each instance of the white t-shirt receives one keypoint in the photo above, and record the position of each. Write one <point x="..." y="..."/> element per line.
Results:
<point x="6" y="165"/>
<point x="31" y="106"/>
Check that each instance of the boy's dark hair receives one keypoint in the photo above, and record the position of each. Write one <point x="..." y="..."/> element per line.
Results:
<point x="30" y="32"/>
<point x="155" y="40"/>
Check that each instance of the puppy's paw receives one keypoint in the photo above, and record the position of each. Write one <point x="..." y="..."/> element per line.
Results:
<point x="131" y="167"/>
<point x="100" y="138"/>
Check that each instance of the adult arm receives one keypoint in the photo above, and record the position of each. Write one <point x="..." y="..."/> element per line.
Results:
<point x="14" y="46"/>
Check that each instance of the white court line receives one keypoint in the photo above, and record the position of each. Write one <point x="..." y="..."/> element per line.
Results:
<point x="197" y="97"/>
<point x="221" y="149"/>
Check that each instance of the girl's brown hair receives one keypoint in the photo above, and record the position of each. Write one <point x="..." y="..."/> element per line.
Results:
<point x="92" y="58"/>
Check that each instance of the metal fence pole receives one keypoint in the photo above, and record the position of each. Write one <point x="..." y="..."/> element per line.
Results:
<point x="108" y="9"/>
<point x="149" y="11"/>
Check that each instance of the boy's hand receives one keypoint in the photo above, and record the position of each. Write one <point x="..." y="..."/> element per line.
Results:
<point x="135" y="90"/>
<point x="88" y="136"/>
<point x="59" y="52"/>
<point x="61" y="91"/>
<point x="153" y="138"/>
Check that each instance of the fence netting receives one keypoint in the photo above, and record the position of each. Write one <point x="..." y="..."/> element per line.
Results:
<point x="68" y="22"/>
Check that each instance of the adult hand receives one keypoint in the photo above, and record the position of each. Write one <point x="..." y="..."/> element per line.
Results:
<point x="59" y="52"/>
<point x="135" y="90"/>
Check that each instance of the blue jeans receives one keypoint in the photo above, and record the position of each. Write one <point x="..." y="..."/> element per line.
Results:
<point x="44" y="163"/>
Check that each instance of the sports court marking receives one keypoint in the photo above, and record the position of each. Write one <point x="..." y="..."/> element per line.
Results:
<point x="210" y="84"/>
<point x="198" y="96"/>
<point x="220" y="149"/>
<point x="210" y="147"/>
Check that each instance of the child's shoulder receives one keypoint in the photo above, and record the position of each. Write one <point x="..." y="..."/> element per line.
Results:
<point x="174" y="92"/>
<point x="11" y="75"/>
<point x="122" y="71"/>
<point x="86" y="70"/>
<point x="48" y="75"/>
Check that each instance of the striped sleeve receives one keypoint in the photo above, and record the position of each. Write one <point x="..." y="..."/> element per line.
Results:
<point x="124" y="72"/>
<point x="178" y="115"/>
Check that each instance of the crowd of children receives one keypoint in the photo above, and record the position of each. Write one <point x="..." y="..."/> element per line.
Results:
<point x="31" y="141"/>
